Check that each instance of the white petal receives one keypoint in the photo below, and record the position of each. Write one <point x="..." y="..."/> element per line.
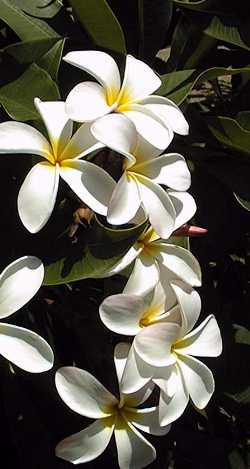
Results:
<point x="180" y="262"/>
<point x="158" y="206"/>
<point x="57" y="122"/>
<point x="90" y="183"/>
<point x="125" y="261"/>
<point x="16" y="137"/>
<point x="149" y="126"/>
<point x="86" y="102"/>
<point x="168" y="380"/>
<point x="144" y="151"/>
<point x="139" y="81"/>
<point x="121" y="352"/>
<point x="122" y="313"/>
<point x="172" y="407"/>
<point x="143" y="277"/>
<point x="137" y="373"/>
<point x="168" y="112"/>
<point x="25" y="348"/>
<point x="204" y="341"/>
<point x="19" y="282"/>
<point x="153" y="343"/>
<point x="185" y="207"/>
<point x="87" y="444"/>
<point x="198" y="380"/>
<point x="37" y="196"/>
<point x="137" y="398"/>
<point x="101" y="66"/>
<point x="117" y="132"/>
<point x="134" y="451"/>
<point x="170" y="170"/>
<point x="81" y="144"/>
<point x="83" y="393"/>
<point x="125" y="201"/>
<point x="147" y="420"/>
<point x="190" y="304"/>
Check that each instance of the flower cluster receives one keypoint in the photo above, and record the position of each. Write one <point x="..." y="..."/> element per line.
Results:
<point x="158" y="307"/>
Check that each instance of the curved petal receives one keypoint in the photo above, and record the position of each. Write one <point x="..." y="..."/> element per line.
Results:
<point x="204" y="341"/>
<point x="170" y="170"/>
<point x="143" y="277"/>
<point x="134" y="451"/>
<point x="121" y="313"/>
<point x="90" y="183"/>
<point x="149" y="125"/>
<point x="168" y="112"/>
<point x="125" y="261"/>
<point x="190" y="304"/>
<point x="81" y="144"/>
<point x="125" y="201"/>
<point x="136" y="375"/>
<point x="139" y="81"/>
<point x="86" y="102"/>
<point x="180" y="262"/>
<point x="145" y="151"/>
<point x="154" y="343"/>
<point x="117" y="132"/>
<point x="198" y="380"/>
<point x="25" y="349"/>
<point x="121" y="352"/>
<point x="83" y="393"/>
<point x="101" y="66"/>
<point x="146" y="420"/>
<point x="158" y="206"/>
<point x="172" y="407"/>
<point x="16" y="137"/>
<point x="88" y="444"/>
<point x="19" y="282"/>
<point x="185" y="207"/>
<point x="37" y="196"/>
<point x="57" y="122"/>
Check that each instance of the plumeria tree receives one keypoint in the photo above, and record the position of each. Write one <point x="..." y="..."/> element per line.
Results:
<point x="124" y="198"/>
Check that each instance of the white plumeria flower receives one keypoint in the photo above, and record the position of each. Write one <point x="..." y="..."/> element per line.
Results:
<point x="38" y="193"/>
<point x="156" y="259"/>
<point x="88" y="397"/>
<point x="163" y="351"/>
<point x="142" y="175"/>
<point x="155" y="117"/>
<point x="19" y="282"/>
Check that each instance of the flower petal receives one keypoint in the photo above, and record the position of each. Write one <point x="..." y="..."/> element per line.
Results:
<point x="19" y="282"/>
<point x="204" y="341"/>
<point x="168" y="112"/>
<point x="139" y="81"/>
<point x="101" y="66"/>
<point x="137" y="374"/>
<point x="134" y="451"/>
<point x="170" y="170"/>
<point x="121" y="313"/>
<point x="83" y="393"/>
<point x="125" y="261"/>
<point x="125" y="201"/>
<point x="16" y="137"/>
<point x="147" y="420"/>
<point x="158" y="206"/>
<point x="143" y="277"/>
<point x="198" y="380"/>
<point x="185" y="207"/>
<point x="25" y="348"/>
<point x="180" y="262"/>
<point x="90" y="183"/>
<point x="88" y="444"/>
<point x="37" y="196"/>
<point x="172" y="407"/>
<point x="190" y="304"/>
<point x="81" y="144"/>
<point x="57" y="122"/>
<point x="153" y="343"/>
<point x="117" y="132"/>
<point x="149" y="126"/>
<point x="86" y="102"/>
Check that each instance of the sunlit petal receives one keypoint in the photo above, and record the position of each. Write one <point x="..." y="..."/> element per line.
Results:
<point x="121" y="313"/>
<point x="172" y="407"/>
<point x="180" y="262"/>
<point x="82" y="143"/>
<point x="185" y="207"/>
<point x="147" y="420"/>
<point x="125" y="201"/>
<point x="168" y="112"/>
<point x="143" y="277"/>
<point x="125" y="261"/>
<point x="86" y="102"/>
<point x="198" y="380"/>
<point x="190" y="304"/>
<point x="137" y="373"/>
<point x="204" y="341"/>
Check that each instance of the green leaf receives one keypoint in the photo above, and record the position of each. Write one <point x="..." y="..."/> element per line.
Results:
<point x="39" y="8"/>
<point x="101" y="24"/>
<point x="236" y="460"/>
<point x="230" y="133"/>
<point x="52" y="59"/>
<point x="242" y="335"/>
<point x="104" y="247"/>
<point x="226" y="29"/>
<point x="26" y="27"/>
<point x="244" y="203"/>
<point x="29" y="51"/>
<point x="18" y="96"/>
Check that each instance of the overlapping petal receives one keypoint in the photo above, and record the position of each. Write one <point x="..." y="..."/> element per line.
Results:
<point x="121" y="313"/>
<point x="137" y="373"/>
<point x="184" y="205"/>
<point x="168" y="112"/>
<point x="204" y="341"/>
<point x="81" y="144"/>
<point x="125" y="200"/>
<point x="172" y="407"/>
<point x="86" y="102"/>
<point x="190" y="305"/>
<point x="180" y="262"/>
<point x="147" y="420"/>
<point x="144" y="275"/>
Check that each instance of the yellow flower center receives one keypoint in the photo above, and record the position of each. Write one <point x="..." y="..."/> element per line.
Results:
<point x="151" y="314"/>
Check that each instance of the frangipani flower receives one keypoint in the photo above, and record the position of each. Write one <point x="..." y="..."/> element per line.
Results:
<point x="37" y="195"/>
<point x="155" y="117"/>
<point x="142" y="175"/>
<point x="19" y="282"/>
<point x="156" y="259"/>
<point x="86" y="396"/>
<point x="163" y="351"/>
